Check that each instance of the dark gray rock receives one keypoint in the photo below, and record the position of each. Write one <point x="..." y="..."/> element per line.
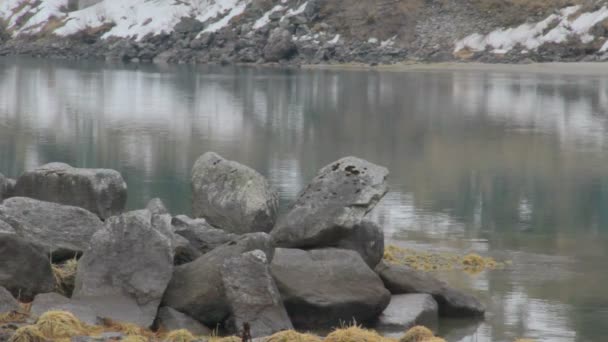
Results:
<point x="232" y="196"/>
<point x="53" y="301"/>
<point x="7" y="187"/>
<point x="100" y="191"/>
<point x="170" y="319"/>
<point x="280" y="46"/>
<point x="200" y="234"/>
<point x="188" y="25"/>
<point x="196" y="288"/>
<point x="367" y="239"/>
<point x="62" y="231"/>
<point x="403" y="279"/>
<point x="332" y="205"/>
<point x="7" y="302"/>
<point x="253" y="296"/>
<point x="408" y="310"/>
<point x="324" y="287"/>
<point x="25" y="271"/>
<point x="126" y="269"/>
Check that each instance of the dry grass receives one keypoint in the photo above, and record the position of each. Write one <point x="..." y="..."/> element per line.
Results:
<point x="225" y="339"/>
<point x="356" y="334"/>
<point x="293" y="336"/>
<point x="181" y="335"/>
<point x="65" y="275"/>
<point x="417" y="334"/>
<point x="61" y="324"/>
<point x="28" y="333"/>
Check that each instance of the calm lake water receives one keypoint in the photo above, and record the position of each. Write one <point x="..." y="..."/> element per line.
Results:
<point x="506" y="164"/>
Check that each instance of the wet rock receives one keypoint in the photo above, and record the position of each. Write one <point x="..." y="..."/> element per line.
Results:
<point x="200" y="234"/>
<point x="232" y="196"/>
<point x="324" y="287"/>
<point x="101" y="191"/>
<point x="18" y="255"/>
<point x="280" y="46"/>
<point x="408" y="310"/>
<point x="196" y="288"/>
<point x="367" y="239"/>
<point x="7" y="302"/>
<point x="53" y="301"/>
<point x="126" y="269"/>
<point x="253" y="296"/>
<point x="452" y="302"/>
<point x="170" y="320"/>
<point x="332" y="205"/>
<point x="62" y="231"/>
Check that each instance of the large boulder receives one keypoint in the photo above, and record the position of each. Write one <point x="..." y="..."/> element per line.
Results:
<point x="61" y="230"/>
<point x="452" y="302"/>
<point x="196" y="288"/>
<point x="53" y="301"/>
<point x="253" y="296"/>
<point x="326" y="287"/>
<point x="100" y="191"/>
<point x="24" y="270"/>
<point x="280" y="46"/>
<point x="408" y="310"/>
<point x="170" y="320"/>
<point x="200" y="234"/>
<point x="126" y="269"/>
<point x="332" y="205"/>
<point x="232" y="196"/>
<point x="367" y="239"/>
<point x="7" y="302"/>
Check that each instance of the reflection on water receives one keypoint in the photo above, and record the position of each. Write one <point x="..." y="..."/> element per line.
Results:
<point x="506" y="164"/>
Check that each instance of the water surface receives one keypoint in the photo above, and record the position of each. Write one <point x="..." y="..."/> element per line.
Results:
<point x="505" y="163"/>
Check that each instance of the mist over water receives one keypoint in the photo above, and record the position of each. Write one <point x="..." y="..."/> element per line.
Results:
<point x="507" y="164"/>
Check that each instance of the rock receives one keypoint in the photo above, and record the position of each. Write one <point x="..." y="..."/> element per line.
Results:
<point x="25" y="271"/>
<point x="7" y="187"/>
<point x="170" y="319"/>
<point x="61" y="230"/>
<point x="408" y="310"/>
<point x="126" y="269"/>
<point x="100" y="191"/>
<point x="157" y="207"/>
<point x="367" y="239"/>
<point x="280" y="46"/>
<point x="332" y="205"/>
<point x="7" y="302"/>
<point x="5" y="227"/>
<point x="200" y="234"/>
<point x="188" y="25"/>
<point x="403" y="279"/>
<point x="196" y="288"/>
<point x="53" y="301"/>
<point x="232" y="196"/>
<point x="253" y="296"/>
<point x="325" y="287"/>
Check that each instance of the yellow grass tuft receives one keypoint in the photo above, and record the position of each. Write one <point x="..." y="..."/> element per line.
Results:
<point x="65" y="276"/>
<point x="28" y="333"/>
<point x="292" y="336"/>
<point x="13" y="317"/>
<point x="226" y="339"/>
<point x="355" y="334"/>
<point x="417" y="334"/>
<point x="135" y="338"/>
<point x="181" y="335"/>
<point x="128" y="329"/>
<point x="60" y="324"/>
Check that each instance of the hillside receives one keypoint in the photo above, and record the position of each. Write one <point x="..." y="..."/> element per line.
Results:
<point x="304" y="32"/>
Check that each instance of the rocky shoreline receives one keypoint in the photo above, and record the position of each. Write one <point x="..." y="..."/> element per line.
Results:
<point x="237" y="263"/>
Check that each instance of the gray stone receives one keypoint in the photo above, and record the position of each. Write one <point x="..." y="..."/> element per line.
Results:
<point x="253" y="296"/>
<point x="100" y="191"/>
<point x="157" y="207"/>
<point x="200" y="234"/>
<point x="126" y="269"/>
<point x="332" y="205"/>
<point x="62" y="231"/>
<point x="188" y="25"/>
<point x="196" y="288"/>
<point x="280" y="46"/>
<point x="232" y="196"/>
<point x="18" y="255"/>
<point x="452" y="302"/>
<point x="53" y="301"/>
<point x="367" y="239"/>
<point x="7" y="187"/>
<point x="408" y="310"/>
<point x="325" y="287"/>
<point x="170" y="319"/>
<point x="7" y="302"/>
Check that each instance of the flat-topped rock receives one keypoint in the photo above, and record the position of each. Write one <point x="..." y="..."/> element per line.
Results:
<point x="232" y="196"/>
<point x="201" y="234"/>
<point x="62" y="231"/>
<point x="335" y="202"/>
<point x="101" y="191"/>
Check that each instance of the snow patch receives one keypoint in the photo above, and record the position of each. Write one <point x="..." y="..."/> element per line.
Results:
<point x="265" y="19"/>
<point x="556" y="28"/>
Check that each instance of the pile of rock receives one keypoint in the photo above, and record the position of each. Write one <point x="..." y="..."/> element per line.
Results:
<point x="318" y="265"/>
